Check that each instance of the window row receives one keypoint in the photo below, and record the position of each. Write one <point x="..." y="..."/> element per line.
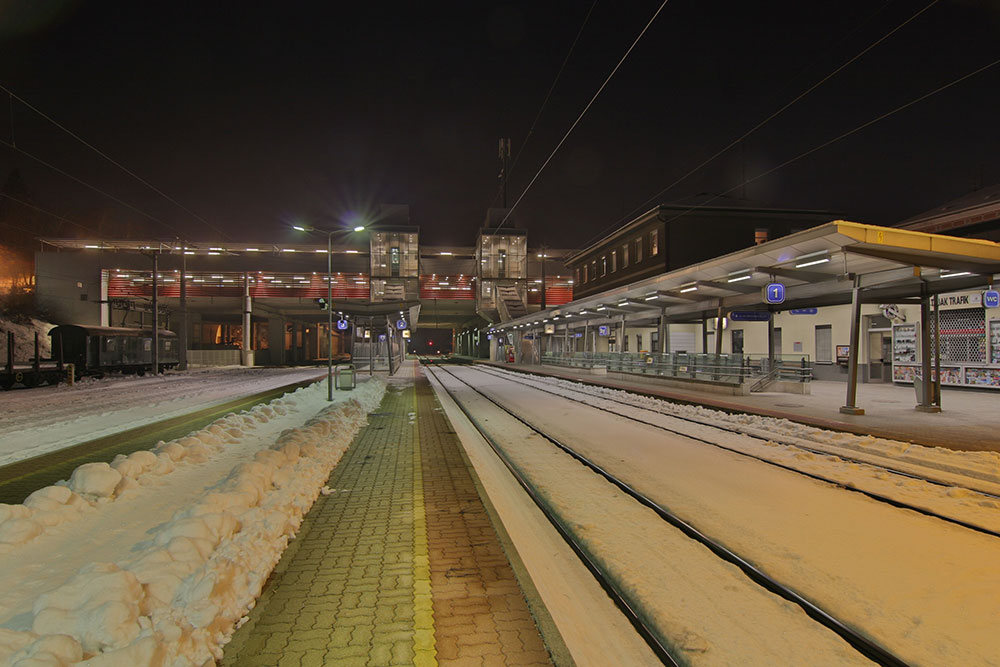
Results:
<point x="619" y="258"/>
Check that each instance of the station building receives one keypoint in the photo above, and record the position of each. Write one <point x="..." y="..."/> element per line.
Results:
<point x="264" y="303"/>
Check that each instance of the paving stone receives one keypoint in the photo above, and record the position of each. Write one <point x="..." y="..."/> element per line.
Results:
<point x="343" y="593"/>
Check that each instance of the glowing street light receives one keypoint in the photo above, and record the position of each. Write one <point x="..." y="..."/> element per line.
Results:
<point x="329" y="295"/>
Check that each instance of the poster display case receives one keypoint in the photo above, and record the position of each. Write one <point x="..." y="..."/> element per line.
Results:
<point x="977" y="371"/>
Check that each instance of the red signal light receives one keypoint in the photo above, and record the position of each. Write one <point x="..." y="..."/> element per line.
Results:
<point x="430" y="343"/>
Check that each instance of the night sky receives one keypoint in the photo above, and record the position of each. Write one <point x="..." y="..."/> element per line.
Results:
<point x="254" y="115"/>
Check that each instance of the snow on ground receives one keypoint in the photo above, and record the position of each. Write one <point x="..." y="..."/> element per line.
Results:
<point x="24" y="338"/>
<point x="154" y="558"/>
<point x="36" y="421"/>
<point x="955" y="498"/>
<point x="921" y="587"/>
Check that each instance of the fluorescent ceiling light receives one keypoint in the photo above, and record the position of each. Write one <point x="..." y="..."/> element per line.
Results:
<point x="693" y="288"/>
<point x="253" y="249"/>
<point x="739" y="278"/>
<point x="351" y="252"/>
<point x="652" y="297"/>
<point x="955" y="275"/>
<point x="814" y="262"/>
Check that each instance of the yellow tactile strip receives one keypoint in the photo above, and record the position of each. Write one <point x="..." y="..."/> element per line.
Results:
<point x="480" y="614"/>
<point x="398" y="566"/>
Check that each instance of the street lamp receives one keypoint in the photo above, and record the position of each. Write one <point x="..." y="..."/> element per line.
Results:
<point x="329" y="296"/>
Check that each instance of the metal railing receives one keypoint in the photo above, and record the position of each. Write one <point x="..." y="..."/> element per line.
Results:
<point x="722" y="368"/>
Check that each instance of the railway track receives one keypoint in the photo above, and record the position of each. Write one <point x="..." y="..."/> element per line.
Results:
<point x="20" y="479"/>
<point x="591" y="400"/>
<point x="664" y="647"/>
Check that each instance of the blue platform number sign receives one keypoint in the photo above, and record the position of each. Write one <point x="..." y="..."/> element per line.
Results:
<point x="341" y="325"/>
<point x="991" y="298"/>
<point x="381" y="337"/>
<point x="400" y="324"/>
<point x="603" y="330"/>
<point x="774" y="293"/>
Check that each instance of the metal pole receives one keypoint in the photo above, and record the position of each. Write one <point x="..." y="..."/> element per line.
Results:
<point x="156" y="318"/>
<point x="371" y="349"/>
<point x="937" y="352"/>
<point x="852" y="363"/>
<point x="329" y="316"/>
<point x="183" y="342"/>
<point x="926" y="398"/>
<point x="246" y="321"/>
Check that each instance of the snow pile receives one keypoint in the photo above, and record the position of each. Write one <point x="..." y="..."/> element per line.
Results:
<point x="53" y="417"/>
<point x="177" y="597"/>
<point x="24" y="338"/>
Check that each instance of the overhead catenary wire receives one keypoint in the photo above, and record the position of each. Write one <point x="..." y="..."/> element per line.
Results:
<point x="548" y="95"/>
<point x="42" y="210"/>
<point x="823" y="145"/>
<point x="91" y="187"/>
<point x="768" y="119"/>
<point x="104" y="155"/>
<point x="582" y="114"/>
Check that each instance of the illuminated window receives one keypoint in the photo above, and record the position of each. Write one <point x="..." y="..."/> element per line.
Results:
<point x="578" y="274"/>
<point x="604" y="266"/>
<point x="614" y="261"/>
<point x="585" y="276"/>
<point x="593" y="270"/>
<point x="624" y="255"/>
<point x="760" y="235"/>
<point x="638" y="250"/>
<point x="654" y="245"/>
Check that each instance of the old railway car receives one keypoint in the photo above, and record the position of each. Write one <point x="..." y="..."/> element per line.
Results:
<point x="99" y="350"/>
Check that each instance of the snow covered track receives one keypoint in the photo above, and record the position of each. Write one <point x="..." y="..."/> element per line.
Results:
<point x="883" y="489"/>
<point x="23" y="476"/>
<point x="153" y="559"/>
<point x="663" y="646"/>
<point x="53" y="417"/>
<point x="920" y="588"/>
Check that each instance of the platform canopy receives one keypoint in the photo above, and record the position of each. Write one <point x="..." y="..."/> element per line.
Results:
<point x="817" y="267"/>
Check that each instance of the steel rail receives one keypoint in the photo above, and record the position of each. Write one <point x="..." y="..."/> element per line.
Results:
<point x="21" y="478"/>
<point x="729" y="429"/>
<point x="856" y="639"/>
<point x="619" y="598"/>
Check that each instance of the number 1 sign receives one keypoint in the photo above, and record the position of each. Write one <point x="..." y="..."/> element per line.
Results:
<point x="774" y="293"/>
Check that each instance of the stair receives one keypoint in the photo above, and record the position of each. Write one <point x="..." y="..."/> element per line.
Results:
<point x="509" y="303"/>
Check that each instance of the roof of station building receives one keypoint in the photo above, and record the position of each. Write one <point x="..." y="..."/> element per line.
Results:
<point x="818" y="267"/>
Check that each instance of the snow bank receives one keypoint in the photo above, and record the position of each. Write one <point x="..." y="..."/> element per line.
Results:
<point x="24" y="339"/>
<point x="178" y="596"/>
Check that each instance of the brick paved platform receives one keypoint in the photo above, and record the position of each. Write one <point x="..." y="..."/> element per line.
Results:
<point x="400" y="565"/>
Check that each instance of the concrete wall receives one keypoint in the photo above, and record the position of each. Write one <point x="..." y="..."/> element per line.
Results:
<point x="68" y="287"/>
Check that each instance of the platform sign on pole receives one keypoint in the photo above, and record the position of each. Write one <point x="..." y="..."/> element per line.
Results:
<point x="603" y="330"/>
<point x="803" y="311"/>
<point x="774" y="293"/>
<point x="991" y="298"/>
<point x="749" y="315"/>
<point x="400" y="324"/>
<point x="342" y="325"/>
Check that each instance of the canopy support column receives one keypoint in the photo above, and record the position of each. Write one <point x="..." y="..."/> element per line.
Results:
<point x="851" y="407"/>
<point x="925" y="395"/>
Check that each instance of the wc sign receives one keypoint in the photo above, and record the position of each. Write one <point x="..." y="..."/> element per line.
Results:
<point x="991" y="298"/>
